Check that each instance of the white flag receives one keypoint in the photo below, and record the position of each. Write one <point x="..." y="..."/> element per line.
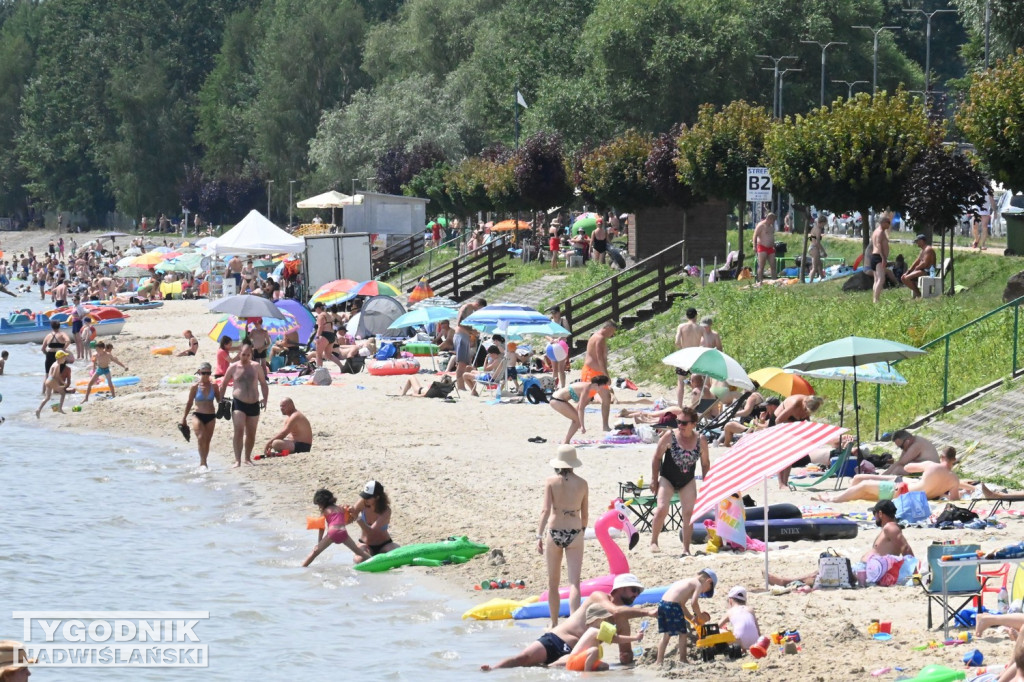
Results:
<point x="520" y="100"/>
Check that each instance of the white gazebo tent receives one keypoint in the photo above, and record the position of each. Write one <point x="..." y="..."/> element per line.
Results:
<point x="255" y="235"/>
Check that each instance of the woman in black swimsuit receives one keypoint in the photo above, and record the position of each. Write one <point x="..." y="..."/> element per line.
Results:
<point x="56" y="340"/>
<point x="673" y="470"/>
<point x="564" y="515"/>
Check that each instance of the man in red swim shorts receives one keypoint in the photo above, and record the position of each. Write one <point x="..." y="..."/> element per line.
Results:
<point x="764" y="245"/>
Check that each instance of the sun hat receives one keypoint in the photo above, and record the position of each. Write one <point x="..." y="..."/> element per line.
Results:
<point x="7" y="660"/>
<point x="371" y="489"/>
<point x="739" y="593"/>
<point x="714" y="582"/>
<point x="626" y="580"/>
<point x="204" y="367"/>
<point x="566" y="458"/>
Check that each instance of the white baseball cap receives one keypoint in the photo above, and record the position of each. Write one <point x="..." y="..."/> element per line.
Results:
<point x="739" y="593"/>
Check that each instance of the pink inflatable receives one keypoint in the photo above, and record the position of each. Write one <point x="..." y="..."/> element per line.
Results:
<point x="615" y="517"/>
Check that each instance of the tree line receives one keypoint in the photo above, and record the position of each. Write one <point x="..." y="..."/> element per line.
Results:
<point x="150" y="107"/>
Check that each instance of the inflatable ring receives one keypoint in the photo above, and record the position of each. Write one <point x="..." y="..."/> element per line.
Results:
<point x="92" y="334"/>
<point x="392" y="367"/>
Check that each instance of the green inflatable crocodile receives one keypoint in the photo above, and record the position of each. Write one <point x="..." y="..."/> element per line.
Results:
<point x="452" y="550"/>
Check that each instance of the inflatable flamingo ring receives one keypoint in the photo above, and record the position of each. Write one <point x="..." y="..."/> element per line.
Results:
<point x="615" y="517"/>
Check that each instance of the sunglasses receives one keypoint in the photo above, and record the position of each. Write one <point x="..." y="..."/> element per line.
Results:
<point x="683" y="423"/>
<point x="205" y="372"/>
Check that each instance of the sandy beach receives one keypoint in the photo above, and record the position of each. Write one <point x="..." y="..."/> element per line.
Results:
<point x="467" y="468"/>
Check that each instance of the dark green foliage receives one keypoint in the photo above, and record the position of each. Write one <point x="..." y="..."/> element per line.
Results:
<point x="540" y="175"/>
<point x="942" y="186"/>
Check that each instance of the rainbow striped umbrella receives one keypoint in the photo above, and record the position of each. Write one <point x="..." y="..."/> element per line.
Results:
<point x="332" y="292"/>
<point x="235" y="327"/>
<point x="374" y="287"/>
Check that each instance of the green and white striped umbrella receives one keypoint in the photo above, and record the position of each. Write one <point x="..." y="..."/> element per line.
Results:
<point x="710" y="362"/>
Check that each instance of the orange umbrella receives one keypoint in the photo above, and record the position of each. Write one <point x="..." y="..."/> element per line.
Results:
<point x="421" y="291"/>
<point x="783" y="382"/>
<point x="509" y="225"/>
<point x="152" y="259"/>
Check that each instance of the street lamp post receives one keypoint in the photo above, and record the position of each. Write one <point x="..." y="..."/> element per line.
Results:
<point x="775" y="80"/>
<point x="291" y="205"/>
<point x="849" y="87"/>
<point x="354" y="181"/>
<point x="988" y="27"/>
<point x="782" y="75"/>
<point x="874" y="72"/>
<point x="269" y="183"/>
<point x="824" y="47"/>
<point x="928" y="47"/>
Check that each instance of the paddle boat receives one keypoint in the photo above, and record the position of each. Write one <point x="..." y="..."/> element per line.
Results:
<point x="21" y="327"/>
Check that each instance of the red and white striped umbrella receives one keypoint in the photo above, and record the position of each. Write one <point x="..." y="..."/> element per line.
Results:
<point x="759" y="456"/>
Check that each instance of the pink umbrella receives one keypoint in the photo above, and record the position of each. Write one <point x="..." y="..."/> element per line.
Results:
<point x="756" y="458"/>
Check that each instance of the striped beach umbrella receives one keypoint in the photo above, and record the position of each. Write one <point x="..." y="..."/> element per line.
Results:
<point x="710" y="362"/>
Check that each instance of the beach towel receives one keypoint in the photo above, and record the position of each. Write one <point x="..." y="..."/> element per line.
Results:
<point x="883" y="570"/>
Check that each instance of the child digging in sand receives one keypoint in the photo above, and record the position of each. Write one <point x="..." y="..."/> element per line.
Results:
<point x="333" y="532"/>
<point x="741" y="619"/>
<point x="672" y="612"/>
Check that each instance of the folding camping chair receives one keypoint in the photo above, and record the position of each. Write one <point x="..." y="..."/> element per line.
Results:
<point x="960" y="582"/>
<point x="642" y="507"/>
<point x="712" y="427"/>
<point x="837" y="469"/>
<point x="353" y="365"/>
<point x="1000" y="502"/>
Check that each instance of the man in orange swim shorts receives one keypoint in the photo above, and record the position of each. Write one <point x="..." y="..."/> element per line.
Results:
<point x="595" y="362"/>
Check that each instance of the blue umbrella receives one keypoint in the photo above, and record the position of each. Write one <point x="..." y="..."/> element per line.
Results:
<point x="548" y="329"/>
<point x="872" y="373"/>
<point x="501" y="315"/>
<point x="423" y="316"/>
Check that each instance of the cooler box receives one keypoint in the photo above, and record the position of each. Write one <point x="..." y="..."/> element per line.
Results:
<point x="931" y="287"/>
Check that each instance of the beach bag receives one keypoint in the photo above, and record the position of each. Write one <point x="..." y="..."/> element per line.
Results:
<point x="913" y="507"/>
<point x="834" y="572"/>
<point x="386" y="352"/>
<point x="883" y="571"/>
<point x="321" y="377"/>
<point x="535" y="394"/>
<point x="953" y="513"/>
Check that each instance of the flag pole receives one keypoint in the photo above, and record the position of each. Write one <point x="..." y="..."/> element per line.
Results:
<point x="515" y="107"/>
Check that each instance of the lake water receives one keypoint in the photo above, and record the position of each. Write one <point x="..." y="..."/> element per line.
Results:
<point x="99" y="523"/>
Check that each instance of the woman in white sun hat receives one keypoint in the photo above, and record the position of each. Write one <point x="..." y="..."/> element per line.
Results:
<point x="563" y="519"/>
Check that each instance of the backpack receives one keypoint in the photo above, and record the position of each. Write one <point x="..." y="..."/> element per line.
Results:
<point x="834" y="571"/>
<point x="386" y="352"/>
<point x="953" y="513"/>
<point x="535" y="394"/>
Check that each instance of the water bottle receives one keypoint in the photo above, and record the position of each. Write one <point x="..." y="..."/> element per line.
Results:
<point x="1003" y="600"/>
<point x="640" y="482"/>
<point x="498" y="394"/>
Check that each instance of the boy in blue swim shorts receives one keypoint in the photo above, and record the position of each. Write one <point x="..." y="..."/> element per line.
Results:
<point x="673" y="614"/>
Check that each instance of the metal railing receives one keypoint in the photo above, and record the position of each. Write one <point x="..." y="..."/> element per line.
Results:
<point x="946" y="405"/>
<point x="457" y="277"/>
<point x="399" y="269"/>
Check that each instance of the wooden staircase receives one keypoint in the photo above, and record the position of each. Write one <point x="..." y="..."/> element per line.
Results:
<point x="631" y="296"/>
<point x="469" y="274"/>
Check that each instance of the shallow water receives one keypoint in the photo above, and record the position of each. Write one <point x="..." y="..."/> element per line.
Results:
<point x="100" y="523"/>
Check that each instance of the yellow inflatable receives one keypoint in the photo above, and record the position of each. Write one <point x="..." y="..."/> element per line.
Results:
<point x="497" y="609"/>
<point x="169" y="350"/>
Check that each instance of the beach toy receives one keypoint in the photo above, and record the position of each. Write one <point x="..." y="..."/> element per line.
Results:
<point x="963" y="636"/>
<point x="76" y="408"/>
<point x="497" y="609"/>
<point x="885" y="626"/>
<point x="101" y="385"/>
<point x="759" y="649"/>
<point x="421" y="349"/>
<point x="791" y="648"/>
<point x="880" y="672"/>
<point x="972" y="658"/>
<point x="882" y="636"/>
<point x="749" y="665"/>
<point x="873" y="627"/>
<point x="392" y="367"/>
<point x="556" y="352"/>
<point x="169" y="350"/>
<point x="453" y="550"/>
<point x="615" y="517"/>
<point x="652" y="595"/>
<point x="938" y="673"/>
<point x="283" y="453"/>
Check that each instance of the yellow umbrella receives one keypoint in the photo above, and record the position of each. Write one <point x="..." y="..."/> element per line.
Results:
<point x="152" y="259"/>
<point x="782" y="382"/>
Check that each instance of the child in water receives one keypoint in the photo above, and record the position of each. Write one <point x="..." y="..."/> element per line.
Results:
<point x="101" y="368"/>
<point x="333" y="532"/>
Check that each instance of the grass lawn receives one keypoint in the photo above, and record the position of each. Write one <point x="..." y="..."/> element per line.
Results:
<point x="771" y="325"/>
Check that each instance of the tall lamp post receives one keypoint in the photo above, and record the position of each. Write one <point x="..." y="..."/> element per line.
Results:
<point x="988" y="28"/>
<point x="928" y="47"/>
<point x="269" y="183"/>
<point x="874" y="72"/>
<point x="824" y="47"/>
<point x="775" y="80"/>
<point x="291" y="205"/>
<point x="782" y="75"/>
<point x="849" y="87"/>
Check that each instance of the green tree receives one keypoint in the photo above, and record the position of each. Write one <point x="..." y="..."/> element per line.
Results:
<point x="1006" y="25"/>
<point x="225" y="127"/>
<point x="401" y="114"/>
<point x="943" y="185"/>
<point x="993" y="119"/>
<point x="541" y="178"/>
<point x="432" y="183"/>
<point x="19" y="38"/>
<point x="662" y="172"/>
<point x="856" y="154"/>
<point x="308" y="63"/>
<point x="715" y="153"/>
<point x="615" y="173"/>
<point x="467" y="186"/>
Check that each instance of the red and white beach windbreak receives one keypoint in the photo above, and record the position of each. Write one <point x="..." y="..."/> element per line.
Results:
<point x="758" y="456"/>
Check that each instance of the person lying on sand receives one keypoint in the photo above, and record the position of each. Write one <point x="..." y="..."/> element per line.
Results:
<point x="890" y="541"/>
<point x="937" y="480"/>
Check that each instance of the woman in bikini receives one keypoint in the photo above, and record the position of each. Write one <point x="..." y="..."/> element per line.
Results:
<point x="205" y="395"/>
<point x="564" y="517"/>
<point x="333" y="532"/>
<point x="55" y="341"/>
<point x="325" y="336"/>
<point x="673" y="470"/>
<point x="373" y="516"/>
<point x="582" y="392"/>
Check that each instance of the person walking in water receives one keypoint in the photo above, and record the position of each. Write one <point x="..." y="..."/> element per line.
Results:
<point x="205" y="395"/>
<point x="248" y="382"/>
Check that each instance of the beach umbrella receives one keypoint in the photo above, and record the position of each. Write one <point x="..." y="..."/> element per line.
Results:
<point x="501" y="315"/>
<point x="757" y="457"/>
<point x="183" y="263"/>
<point x="307" y="323"/>
<point x="537" y="329"/>
<point x="151" y="259"/>
<point x="510" y="225"/>
<point x="852" y="351"/>
<point x="132" y="271"/>
<point x="332" y="291"/>
<point x="873" y="373"/>
<point x="125" y="262"/>
<point x="373" y="287"/>
<point x="782" y="382"/>
<point x="245" y="305"/>
<point x="436" y="302"/>
<point x="710" y="362"/>
<point x="421" y="291"/>
<point x="163" y="249"/>
<point x="588" y="222"/>
<point x="112" y="235"/>
<point x="423" y="316"/>
<point x="235" y="328"/>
